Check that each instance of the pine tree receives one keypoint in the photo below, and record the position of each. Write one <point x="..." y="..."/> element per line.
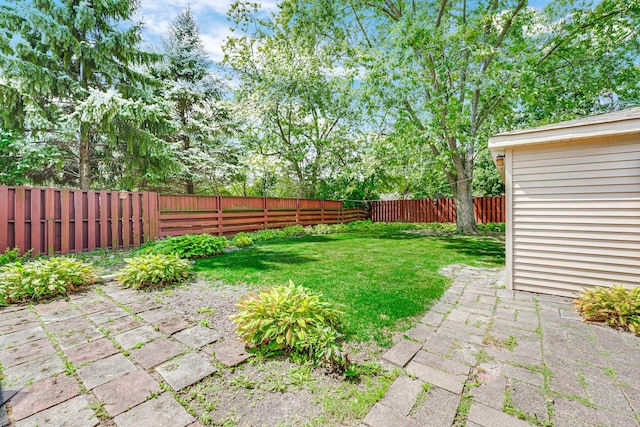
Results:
<point x="69" y="76"/>
<point x="199" y="114"/>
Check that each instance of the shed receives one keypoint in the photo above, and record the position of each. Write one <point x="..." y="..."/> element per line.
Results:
<point x="572" y="203"/>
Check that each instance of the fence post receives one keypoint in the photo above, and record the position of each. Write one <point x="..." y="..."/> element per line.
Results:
<point x="220" y="217"/>
<point x="4" y="217"/>
<point x="297" y="211"/>
<point x="50" y="217"/>
<point x="36" y="224"/>
<point x="19" y="221"/>
<point x="265" y="213"/>
<point x="322" y="211"/>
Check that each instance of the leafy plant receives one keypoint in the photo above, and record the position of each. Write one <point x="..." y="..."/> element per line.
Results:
<point x="616" y="306"/>
<point x="494" y="227"/>
<point x="321" y="229"/>
<point x="293" y="231"/>
<point x="150" y="270"/>
<point x="189" y="246"/>
<point x="242" y="240"/>
<point x="13" y="255"/>
<point x="292" y="320"/>
<point x="41" y="278"/>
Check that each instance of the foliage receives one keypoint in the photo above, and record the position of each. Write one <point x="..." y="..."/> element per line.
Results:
<point x="13" y="255"/>
<point x="188" y="246"/>
<point x="242" y="240"/>
<point x="150" y="270"/>
<point x="296" y="103"/>
<point x="616" y="306"/>
<point x="22" y="162"/>
<point x="71" y="79"/>
<point x="42" y="278"/>
<point x="320" y="229"/>
<point x="293" y="231"/>
<point x="200" y="117"/>
<point x="448" y="74"/>
<point x="379" y="279"/>
<point x="291" y="319"/>
<point x="494" y="227"/>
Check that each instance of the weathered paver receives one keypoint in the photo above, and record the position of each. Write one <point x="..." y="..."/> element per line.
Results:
<point x="25" y="352"/>
<point x="402" y="394"/>
<point x="122" y="324"/>
<point x="172" y="325"/>
<point x="133" y="337"/>
<point x="91" y="351"/>
<point x="162" y="411"/>
<point x="228" y="352"/>
<point x="185" y="370"/>
<point x="447" y="381"/>
<point x="156" y="352"/>
<point x="138" y="385"/>
<point x="43" y="395"/>
<point x="104" y="370"/>
<point x="22" y="336"/>
<point x="438" y="409"/>
<point x="401" y="353"/>
<point x="72" y="413"/>
<point x="33" y="371"/>
<point x="108" y="315"/>
<point x="382" y="416"/>
<point x="197" y="337"/>
<point x="489" y="417"/>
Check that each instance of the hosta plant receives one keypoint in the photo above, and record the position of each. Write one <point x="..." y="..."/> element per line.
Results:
<point x="242" y="240"/>
<point x="616" y="306"/>
<point x="43" y="278"/>
<point x="292" y="320"/>
<point x="13" y="255"/>
<point x="149" y="270"/>
<point x="189" y="246"/>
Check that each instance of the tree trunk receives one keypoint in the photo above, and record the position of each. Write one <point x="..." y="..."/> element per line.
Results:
<point x="84" y="169"/>
<point x="465" y="220"/>
<point x="190" y="186"/>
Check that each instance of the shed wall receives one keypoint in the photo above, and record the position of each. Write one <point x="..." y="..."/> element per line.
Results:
<point x="575" y="215"/>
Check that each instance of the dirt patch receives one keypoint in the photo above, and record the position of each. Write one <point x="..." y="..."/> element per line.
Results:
<point x="276" y="391"/>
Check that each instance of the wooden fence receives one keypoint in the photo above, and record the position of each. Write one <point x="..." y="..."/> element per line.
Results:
<point x="485" y="209"/>
<point x="50" y="221"/>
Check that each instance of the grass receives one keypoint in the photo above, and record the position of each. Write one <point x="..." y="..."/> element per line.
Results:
<point x="376" y="279"/>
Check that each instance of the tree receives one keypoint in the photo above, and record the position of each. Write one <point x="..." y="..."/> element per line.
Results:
<point x="295" y="102"/>
<point x="22" y="162"/>
<point x="456" y="71"/>
<point x="199" y="114"/>
<point x="70" y="77"/>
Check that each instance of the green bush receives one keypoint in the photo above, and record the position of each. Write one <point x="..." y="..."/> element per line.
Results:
<point x="189" y="246"/>
<point x="149" y="270"/>
<point x="292" y="320"/>
<point x="13" y="255"/>
<point x="321" y="229"/>
<point x="616" y="306"/>
<point x="494" y="227"/>
<point x="266" y="234"/>
<point x="242" y="240"/>
<point x="293" y="231"/>
<point x="43" y="278"/>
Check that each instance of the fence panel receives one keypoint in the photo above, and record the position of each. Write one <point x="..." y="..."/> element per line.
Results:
<point x="486" y="209"/>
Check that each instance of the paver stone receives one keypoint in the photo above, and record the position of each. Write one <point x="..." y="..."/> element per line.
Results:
<point x="197" y="337"/>
<point x="91" y="351"/>
<point x="228" y="352"/>
<point x="72" y="413"/>
<point x="104" y="370"/>
<point x="156" y="352"/>
<point x="138" y="385"/>
<point x="25" y="352"/>
<point x="185" y="370"/>
<point x="162" y="411"/>
<point x="33" y="370"/>
<point x="43" y="395"/>
<point x="401" y="353"/>
<point x="131" y="338"/>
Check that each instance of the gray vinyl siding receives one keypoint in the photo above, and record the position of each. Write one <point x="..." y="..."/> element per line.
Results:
<point x="575" y="215"/>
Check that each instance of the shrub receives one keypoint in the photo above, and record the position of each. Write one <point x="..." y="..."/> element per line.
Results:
<point x="292" y="320"/>
<point x="242" y="240"/>
<point x="43" y="278"/>
<point x="616" y="306"/>
<point x="149" y="270"/>
<point x="321" y="229"/>
<point x="13" y="255"/>
<point x="494" y="227"/>
<point x="189" y="246"/>
<point x="293" y="231"/>
<point x="266" y="234"/>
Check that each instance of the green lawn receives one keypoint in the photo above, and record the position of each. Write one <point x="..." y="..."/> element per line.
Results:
<point x="375" y="279"/>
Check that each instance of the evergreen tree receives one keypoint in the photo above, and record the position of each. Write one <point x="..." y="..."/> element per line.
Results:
<point x="69" y="78"/>
<point x="199" y="114"/>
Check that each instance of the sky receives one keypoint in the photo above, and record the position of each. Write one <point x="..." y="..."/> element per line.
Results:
<point x="211" y="15"/>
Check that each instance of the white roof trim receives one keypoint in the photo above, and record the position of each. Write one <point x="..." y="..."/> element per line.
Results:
<point x="573" y="133"/>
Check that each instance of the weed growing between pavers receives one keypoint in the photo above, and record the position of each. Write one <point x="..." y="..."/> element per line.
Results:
<point x="466" y="400"/>
<point x="421" y="398"/>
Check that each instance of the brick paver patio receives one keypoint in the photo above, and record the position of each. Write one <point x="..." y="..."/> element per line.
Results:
<point x="482" y="356"/>
<point x="498" y="358"/>
<point x="107" y="356"/>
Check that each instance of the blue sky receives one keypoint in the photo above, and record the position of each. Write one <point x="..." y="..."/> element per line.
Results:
<point x="211" y="15"/>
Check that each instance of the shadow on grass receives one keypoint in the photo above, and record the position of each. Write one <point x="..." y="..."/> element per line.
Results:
<point x="480" y="247"/>
<point x="290" y="240"/>
<point x="254" y="259"/>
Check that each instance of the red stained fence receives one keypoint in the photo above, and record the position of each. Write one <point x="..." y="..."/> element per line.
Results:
<point x="485" y="209"/>
<point x="49" y="220"/>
